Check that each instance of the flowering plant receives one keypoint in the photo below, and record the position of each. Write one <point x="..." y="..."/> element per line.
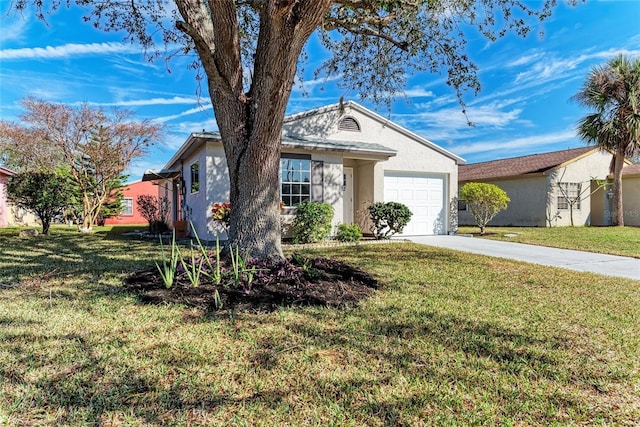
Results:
<point x="221" y="212"/>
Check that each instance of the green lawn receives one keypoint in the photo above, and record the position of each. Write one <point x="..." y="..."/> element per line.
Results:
<point x="448" y="339"/>
<point x="623" y="241"/>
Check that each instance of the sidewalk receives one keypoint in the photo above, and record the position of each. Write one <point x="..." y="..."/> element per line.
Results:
<point x="609" y="265"/>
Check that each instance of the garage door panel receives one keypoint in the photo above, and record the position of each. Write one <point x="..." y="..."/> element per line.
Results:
<point x="424" y="195"/>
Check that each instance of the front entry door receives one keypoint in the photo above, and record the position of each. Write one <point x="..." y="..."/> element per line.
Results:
<point x="347" y="195"/>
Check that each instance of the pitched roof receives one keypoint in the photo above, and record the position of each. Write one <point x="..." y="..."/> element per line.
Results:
<point x="196" y="139"/>
<point x="372" y="114"/>
<point x="633" y="169"/>
<point x="515" y="166"/>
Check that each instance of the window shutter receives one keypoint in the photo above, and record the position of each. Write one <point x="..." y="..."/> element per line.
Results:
<point x="317" y="180"/>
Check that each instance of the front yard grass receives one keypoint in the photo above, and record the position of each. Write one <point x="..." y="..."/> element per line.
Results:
<point x="449" y="339"/>
<point x="624" y="241"/>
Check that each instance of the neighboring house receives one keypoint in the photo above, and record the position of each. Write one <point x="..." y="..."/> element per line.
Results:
<point x="130" y="213"/>
<point x="631" y="194"/>
<point x="601" y="214"/>
<point x="545" y="189"/>
<point x="9" y="213"/>
<point x="342" y="154"/>
<point x="5" y="210"/>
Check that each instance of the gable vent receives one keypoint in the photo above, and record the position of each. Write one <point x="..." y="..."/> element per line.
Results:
<point x="349" y="123"/>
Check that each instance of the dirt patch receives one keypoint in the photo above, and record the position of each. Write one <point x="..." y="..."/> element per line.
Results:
<point x="294" y="282"/>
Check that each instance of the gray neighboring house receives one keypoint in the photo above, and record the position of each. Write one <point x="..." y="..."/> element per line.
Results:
<point x="343" y="154"/>
<point x="546" y="189"/>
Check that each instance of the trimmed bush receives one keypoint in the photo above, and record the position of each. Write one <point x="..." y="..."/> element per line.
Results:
<point x="485" y="201"/>
<point x="388" y="218"/>
<point x="312" y="222"/>
<point x="349" y="233"/>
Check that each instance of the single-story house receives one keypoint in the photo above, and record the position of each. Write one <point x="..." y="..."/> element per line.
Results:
<point x="130" y="214"/>
<point x="630" y="198"/>
<point x="343" y="154"/>
<point x="5" y="211"/>
<point x="631" y="194"/>
<point x="11" y="214"/>
<point x="545" y="189"/>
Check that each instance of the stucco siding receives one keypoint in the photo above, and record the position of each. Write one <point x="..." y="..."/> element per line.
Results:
<point x="217" y="182"/>
<point x="4" y="206"/>
<point x="590" y="168"/>
<point x="412" y="155"/>
<point x="195" y="207"/>
<point x="631" y="200"/>
<point x="527" y="207"/>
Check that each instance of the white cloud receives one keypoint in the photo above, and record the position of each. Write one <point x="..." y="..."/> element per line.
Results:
<point x="418" y="92"/>
<point x="309" y="85"/>
<point x="549" y="67"/>
<point x="524" y="60"/>
<point x="200" y="109"/>
<point x="67" y="50"/>
<point x="176" y="100"/>
<point x="533" y="142"/>
<point x="14" y="30"/>
<point x="490" y="115"/>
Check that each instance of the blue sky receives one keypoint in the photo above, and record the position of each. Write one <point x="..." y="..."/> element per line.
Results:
<point x="524" y="106"/>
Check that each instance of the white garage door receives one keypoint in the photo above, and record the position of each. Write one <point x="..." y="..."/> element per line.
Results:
<point x="424" y="195"/>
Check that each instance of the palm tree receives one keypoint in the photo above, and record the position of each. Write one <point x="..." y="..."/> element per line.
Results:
<point x="612" y="91"/>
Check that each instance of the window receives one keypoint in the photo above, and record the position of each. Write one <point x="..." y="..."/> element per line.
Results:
<point x="462" y="205"/>
<point x="295" y="180"/>
<point x="195" y="177"/>
<point x="569" y="194"/>
<point x="349" y="123"/>
<point x="127" y="206"/>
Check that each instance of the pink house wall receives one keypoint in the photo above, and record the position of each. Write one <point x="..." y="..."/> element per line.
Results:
<point x="4" y="208"/>
<point x="4" y="205"/>
<point x="131" y="192"/>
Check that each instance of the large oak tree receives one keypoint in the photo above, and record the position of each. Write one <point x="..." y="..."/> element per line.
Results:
<point x="250" y="51"/>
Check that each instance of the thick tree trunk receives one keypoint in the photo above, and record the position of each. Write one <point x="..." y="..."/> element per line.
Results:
<point x="251" y="123"/>
<point x="618" y="210"/>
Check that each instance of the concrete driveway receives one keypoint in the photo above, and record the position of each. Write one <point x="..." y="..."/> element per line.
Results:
<point x="609" y="265"/>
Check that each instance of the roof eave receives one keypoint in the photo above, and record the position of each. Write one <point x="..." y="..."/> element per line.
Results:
<point x="189" y="146"/>
<point x="351" y="150"/>
<point x="8" y="172"/>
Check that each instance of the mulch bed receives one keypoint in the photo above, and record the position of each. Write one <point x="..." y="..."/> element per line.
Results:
<point x="318" y="282"/>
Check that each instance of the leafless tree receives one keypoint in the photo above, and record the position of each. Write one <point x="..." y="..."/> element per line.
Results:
<point x="94" y="146"/>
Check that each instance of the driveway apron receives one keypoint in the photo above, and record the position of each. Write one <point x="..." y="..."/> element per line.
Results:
<point x="610" y="265"/>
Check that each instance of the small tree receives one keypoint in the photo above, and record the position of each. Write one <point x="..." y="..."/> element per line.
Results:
<point x="47" y="194"/>
<point x="484" y="201"/>
<point x="112" y="206"/>
<point x="155" y="210"/>
<point x="388" y="218"/>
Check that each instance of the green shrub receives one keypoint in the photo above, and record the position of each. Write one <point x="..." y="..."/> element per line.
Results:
<point x="484" y="200"/>
<point x="388" y="218"/>
<point x="312" y="222"/>
<point x="349" y="233"/>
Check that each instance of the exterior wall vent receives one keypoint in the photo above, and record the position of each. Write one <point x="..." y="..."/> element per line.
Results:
<point x="349" y="123"/>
